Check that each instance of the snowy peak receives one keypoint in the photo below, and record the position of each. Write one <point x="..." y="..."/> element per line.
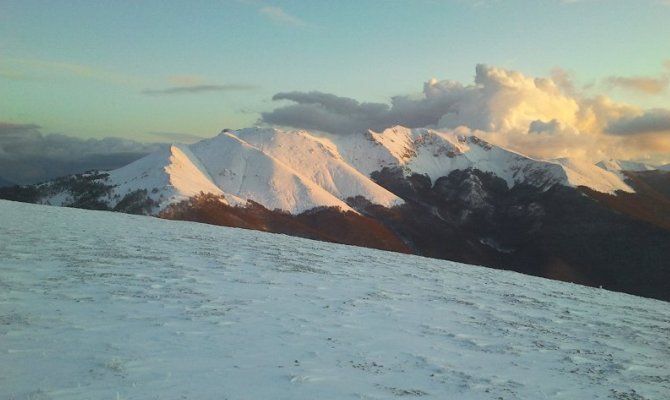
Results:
<point x="169" y="175"/>
<point x="436" y="153"/>
<point x="247" y="172"/>
<point x="187" y="174"/>
<point x="583" y="173"/>
<point x="319" y="161"/>
<point x="289" y="171"/>
<point x="621" y="165"/>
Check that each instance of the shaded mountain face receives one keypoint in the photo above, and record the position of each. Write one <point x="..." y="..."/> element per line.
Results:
<point x="561" y="233"/>
<point x="434" y="193"/>
<point x="650" y="202"/>
<point x="323" y="223"/>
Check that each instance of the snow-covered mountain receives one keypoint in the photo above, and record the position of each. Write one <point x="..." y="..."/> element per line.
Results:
<point x="295" y="171"/>
<point x="130" y="307"/>
<point x="222" y="165"/>
<point x="436" y="153"/>
<point x="623" y="165"/>
<point x="438" y="193"/>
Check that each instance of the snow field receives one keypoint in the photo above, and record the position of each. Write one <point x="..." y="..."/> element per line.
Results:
<point x="98" y="305"/>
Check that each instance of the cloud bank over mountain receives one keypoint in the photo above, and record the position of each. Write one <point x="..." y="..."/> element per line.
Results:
<point x="544" y="116"/>
<point x="28" y="156"/>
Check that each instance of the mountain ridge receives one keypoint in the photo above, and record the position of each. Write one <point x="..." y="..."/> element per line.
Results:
<point x="440" y="194"/>
<point x="295" y="171"/>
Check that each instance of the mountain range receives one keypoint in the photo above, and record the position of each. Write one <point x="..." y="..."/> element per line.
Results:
<point x="437" y="193"/>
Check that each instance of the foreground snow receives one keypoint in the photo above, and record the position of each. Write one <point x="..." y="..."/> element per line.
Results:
<point x="97" y="305"/>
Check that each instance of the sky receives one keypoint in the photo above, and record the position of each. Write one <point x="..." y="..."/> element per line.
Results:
<point x="178" y="70"/>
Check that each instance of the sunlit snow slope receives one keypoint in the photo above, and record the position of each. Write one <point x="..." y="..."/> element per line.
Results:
<point x="97" y="305"/>
<point x="622" y="165"/>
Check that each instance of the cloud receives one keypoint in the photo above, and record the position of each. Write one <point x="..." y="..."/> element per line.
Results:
<point x="327" y="112"/>
<point x="538" y="126"/>
<point x="35" y="69"/>
<point x="565" y="80"/>
<point x="499" y="100"/>
<point x="13" y="75"/>
<point x="28" y="156"/>
<point x="278" y="15"/>
<point x="652" y="121"/>
<point x="545" y="117"/>
<point x="643" y="84"/>
<point x="8" y="128"/>
<point x="652" y="85"/>
<point x="197" y="89"/>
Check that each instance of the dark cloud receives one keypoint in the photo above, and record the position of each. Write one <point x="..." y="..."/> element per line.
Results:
<point x="335" y="114"/>
<point x="197" y="89"/>
<point x="28" y="156"/>
<point x="8" y="128"/>
<point x="326" y="112"/>
<point x="539" y="126"/>
<point x="652" y="121"/>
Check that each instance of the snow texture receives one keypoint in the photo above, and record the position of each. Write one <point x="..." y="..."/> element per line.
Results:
<point x="99" y="305"/>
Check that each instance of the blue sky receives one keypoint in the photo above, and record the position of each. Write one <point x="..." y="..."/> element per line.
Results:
<point x="100" y="68"/>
